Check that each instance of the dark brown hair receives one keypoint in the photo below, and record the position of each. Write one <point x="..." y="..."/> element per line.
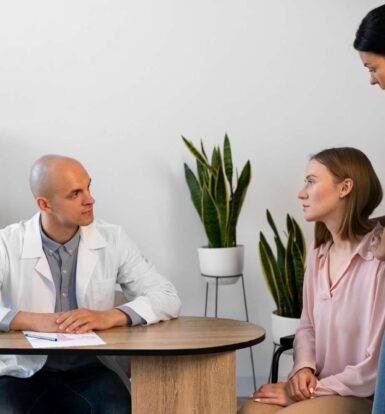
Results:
<point x="365" y="196"/>
<point x="370" y="36"/>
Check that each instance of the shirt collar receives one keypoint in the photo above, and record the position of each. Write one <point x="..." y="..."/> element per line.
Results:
<point x="363" y="247"/>
<point x="50" y="244"/>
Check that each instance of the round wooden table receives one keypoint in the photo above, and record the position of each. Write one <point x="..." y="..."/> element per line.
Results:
<point x="182" y="366"/>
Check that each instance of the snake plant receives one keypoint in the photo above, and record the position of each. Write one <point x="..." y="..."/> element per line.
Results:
<point x="215" y="198"/>
<point x="284" y="271"/>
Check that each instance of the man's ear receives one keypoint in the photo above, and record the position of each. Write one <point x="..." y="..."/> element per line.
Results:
<point x="43" y="204"/>
<point x="346" y="187"/>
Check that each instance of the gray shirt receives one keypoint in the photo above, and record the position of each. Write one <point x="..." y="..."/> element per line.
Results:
<point x="62" y="260"/>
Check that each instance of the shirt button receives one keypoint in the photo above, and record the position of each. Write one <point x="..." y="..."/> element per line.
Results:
<point x="65" y="271"/>
<point x="64" y="294"/>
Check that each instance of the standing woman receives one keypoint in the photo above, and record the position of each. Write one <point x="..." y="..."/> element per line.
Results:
<point x="370" y="43"/>
<point x="338" y="342"/>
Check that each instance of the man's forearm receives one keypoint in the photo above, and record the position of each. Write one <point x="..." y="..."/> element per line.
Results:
<point x="119" y="317"/>
<point x="60" y="322"/>
<point x="32" y="321"/>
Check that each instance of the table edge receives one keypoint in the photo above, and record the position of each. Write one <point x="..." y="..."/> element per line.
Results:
<point x="128" y="352"/>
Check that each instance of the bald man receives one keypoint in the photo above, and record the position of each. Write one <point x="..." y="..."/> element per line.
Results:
<point x="58" y="273"/>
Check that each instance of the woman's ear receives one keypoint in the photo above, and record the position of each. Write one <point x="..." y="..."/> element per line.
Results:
<point x="346" y="187"/>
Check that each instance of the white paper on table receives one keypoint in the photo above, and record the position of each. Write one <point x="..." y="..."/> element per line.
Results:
<point x="63" y="340"/>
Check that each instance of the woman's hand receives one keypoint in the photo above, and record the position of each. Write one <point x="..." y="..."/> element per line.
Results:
<point x="301" y="385"/>
<point x="272" y="394"/>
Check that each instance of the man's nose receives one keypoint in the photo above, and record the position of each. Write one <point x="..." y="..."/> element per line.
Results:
<point x="89" y="199"/>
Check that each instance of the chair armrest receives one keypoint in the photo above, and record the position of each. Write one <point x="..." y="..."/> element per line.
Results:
<point x="286" y="344"/>
<point x="287" y="341"/>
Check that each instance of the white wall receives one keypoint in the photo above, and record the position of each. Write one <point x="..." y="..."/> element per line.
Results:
<point x="115" y="83"/>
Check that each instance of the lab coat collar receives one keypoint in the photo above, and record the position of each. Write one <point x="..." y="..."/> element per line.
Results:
<point x="90" y="239"/>
<point x="32" y="246"/>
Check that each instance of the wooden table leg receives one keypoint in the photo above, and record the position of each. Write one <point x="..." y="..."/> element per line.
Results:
<point x="193" y="384"/>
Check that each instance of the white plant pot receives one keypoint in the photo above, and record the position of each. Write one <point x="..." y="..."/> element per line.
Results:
<point x="225" y="263"/>
<point x="282" y="326"/>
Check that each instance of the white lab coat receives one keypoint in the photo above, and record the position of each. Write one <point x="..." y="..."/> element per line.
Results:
<point x="106" y="256"/>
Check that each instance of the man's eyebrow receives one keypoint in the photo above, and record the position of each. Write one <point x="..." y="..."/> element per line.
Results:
<point x="79" y="189"/>
<point x="74" y="190"/>
<point x="311" y="176"/>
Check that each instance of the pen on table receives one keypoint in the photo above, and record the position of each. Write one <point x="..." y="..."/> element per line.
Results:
<point x="47" y="338"/>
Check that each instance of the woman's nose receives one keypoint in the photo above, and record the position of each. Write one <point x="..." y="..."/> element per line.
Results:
<point x="302" y="194"/>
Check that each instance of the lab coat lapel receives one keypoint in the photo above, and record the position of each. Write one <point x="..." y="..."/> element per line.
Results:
<point x="33" y="248"/>
<point x="90" y="241"/>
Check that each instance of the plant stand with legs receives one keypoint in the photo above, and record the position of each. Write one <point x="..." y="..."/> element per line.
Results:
<point x="217" y="284"/>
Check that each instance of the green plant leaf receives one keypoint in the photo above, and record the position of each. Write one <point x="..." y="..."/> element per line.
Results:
<point x="203" y="151"/>
<point x="289" y="264"/>
<point x="196" y="153"/>
<point x="289" y="225"/>
<point x="291" y="286"/>
<point x="211" y="219"/>
<point x="213" y="174"/>
<point x="270" y="270"/>
<point x="299" y="272"/>
<point x="271" y="222"/>
<point x="279" y="276"/>
<point x="281" y="250"/>
<point x="222" y="202"/>
<point x="228" y="162"/>
<point x="217" y="208"/>
<point x="216" y="159"/>
<point x="203" y="174"/>
<point x="195" y="189"/>
<point x="237" y="202"/>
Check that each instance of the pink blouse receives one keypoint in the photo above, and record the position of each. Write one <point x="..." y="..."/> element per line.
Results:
<point x="341" y="327"/>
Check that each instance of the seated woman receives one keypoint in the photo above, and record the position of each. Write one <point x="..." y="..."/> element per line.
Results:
<point x="337" y="344"/>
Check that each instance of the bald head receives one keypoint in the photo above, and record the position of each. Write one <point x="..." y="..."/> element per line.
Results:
<point x="46" y="171"/>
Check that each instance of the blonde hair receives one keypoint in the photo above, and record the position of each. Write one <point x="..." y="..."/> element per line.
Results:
<point x="365" y="196"/>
